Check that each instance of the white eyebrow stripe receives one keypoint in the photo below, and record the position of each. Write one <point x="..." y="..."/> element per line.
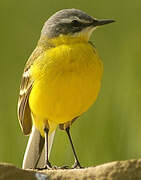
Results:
<point x="66" y="20"/>
<point x="81" y="20"/>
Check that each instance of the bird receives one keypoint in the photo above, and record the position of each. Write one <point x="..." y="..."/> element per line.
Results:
<point x="61" y="80"/>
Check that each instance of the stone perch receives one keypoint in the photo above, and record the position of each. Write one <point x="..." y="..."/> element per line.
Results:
<point x="119" y="170"/>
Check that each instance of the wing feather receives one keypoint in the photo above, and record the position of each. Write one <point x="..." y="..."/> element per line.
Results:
<point x="24" y="112"/>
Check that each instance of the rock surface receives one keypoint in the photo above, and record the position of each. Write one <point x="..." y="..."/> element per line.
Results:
<point x="119" y="170"/>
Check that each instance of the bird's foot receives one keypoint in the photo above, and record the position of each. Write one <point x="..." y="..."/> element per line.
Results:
<point x="47" y="166"/>
<point x="65" y="167"/>
<point x="62" y="167"/>
<point x="77" y="166"/>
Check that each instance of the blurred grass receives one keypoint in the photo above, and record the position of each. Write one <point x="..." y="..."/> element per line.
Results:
<point x="111" y="129"/>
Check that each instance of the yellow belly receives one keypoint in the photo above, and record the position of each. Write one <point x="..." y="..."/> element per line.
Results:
<point x="66" y="83"/>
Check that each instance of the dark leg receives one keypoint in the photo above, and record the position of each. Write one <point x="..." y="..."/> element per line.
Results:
<point x="47" y="163"/>
<point x="76" y="164"/>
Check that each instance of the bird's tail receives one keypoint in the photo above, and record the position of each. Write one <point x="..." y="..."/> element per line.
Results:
<point x="34" y="154"/>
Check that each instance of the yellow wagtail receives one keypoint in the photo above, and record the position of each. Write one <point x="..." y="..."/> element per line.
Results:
<point x="61" y="80"/>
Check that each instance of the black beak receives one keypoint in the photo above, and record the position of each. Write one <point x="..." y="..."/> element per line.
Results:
<point x="97" y="22"/>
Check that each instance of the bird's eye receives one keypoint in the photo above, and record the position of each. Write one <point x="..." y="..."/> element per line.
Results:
<point x="75" y="23"/>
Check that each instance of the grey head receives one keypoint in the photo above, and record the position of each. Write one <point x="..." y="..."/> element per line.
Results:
<point x="70" y="21"/>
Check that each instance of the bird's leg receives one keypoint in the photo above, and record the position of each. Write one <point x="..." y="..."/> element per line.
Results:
<point x="76" y="164"/>
<point x="47" y="163"/>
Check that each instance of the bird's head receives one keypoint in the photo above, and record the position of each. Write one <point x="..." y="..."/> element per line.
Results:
<point x="71" y="22"/>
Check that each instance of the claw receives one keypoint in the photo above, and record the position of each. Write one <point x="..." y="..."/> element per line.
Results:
<point x="47" y="166"/>
<point x="77" y="165"/>
<point x="44" y="168"/>
<point x="65" y="167"/>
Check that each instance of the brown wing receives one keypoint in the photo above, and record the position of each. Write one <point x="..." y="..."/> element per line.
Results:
<point x="24" y="113"/>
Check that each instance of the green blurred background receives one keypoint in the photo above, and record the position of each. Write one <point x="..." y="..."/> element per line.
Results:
<point x="111" y="129"/>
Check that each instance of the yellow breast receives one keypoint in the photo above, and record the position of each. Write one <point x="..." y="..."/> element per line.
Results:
<point x="67" y="80"/>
